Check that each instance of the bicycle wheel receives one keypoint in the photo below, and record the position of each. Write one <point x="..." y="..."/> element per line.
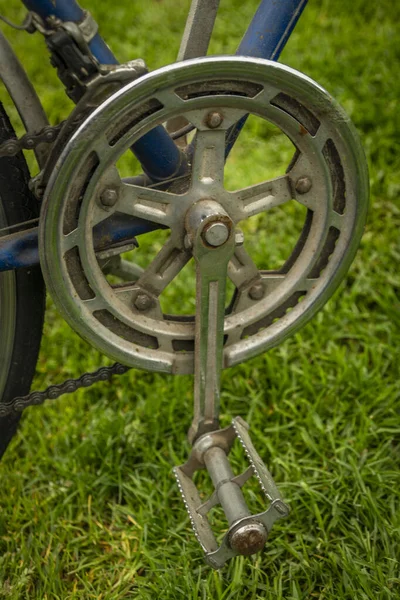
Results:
<point x="22" y="292"/>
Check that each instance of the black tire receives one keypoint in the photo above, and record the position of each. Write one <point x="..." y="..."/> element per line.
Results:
<point x="27" y="295"/>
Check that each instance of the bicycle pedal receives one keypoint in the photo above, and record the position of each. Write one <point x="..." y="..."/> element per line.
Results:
<point x="247" y="533"/>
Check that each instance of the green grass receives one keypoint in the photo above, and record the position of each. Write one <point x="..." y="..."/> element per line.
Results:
<point x="89" y="506"/>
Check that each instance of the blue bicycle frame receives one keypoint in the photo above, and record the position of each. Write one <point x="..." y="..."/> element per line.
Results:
<point x="158" y="154"/>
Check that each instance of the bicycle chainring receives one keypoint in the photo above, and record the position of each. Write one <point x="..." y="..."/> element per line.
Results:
<point x="327" y="175"/>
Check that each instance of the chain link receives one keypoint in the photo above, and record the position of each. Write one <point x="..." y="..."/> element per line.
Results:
<point x="19" y="403"/>
<point x="29" y="141"/>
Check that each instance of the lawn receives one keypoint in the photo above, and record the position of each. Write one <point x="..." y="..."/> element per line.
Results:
<point x="89" y="505"/>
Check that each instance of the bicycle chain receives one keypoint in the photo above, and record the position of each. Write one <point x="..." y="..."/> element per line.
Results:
<point x="29" y="141"/>
<point x="11" y="147"/>
<point x="19" y="403"/>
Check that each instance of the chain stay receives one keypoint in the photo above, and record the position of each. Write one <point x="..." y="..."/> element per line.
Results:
<point x="19" y="403"/>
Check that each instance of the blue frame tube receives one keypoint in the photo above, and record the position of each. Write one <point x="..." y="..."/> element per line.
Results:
<point x="156" y="151"/>
<point x="69" y="10"/>
<point x="270" y="28"/>
<point x="266" y="37"/>
<point x="21" y="250"/>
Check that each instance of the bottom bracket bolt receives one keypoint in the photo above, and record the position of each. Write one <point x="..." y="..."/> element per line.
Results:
<point x="249" y="538"/>
<point x="143" y="302"/>
<point x="216" y="234"/>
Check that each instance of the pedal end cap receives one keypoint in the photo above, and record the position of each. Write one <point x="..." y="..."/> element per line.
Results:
<point x="248" y="538"/>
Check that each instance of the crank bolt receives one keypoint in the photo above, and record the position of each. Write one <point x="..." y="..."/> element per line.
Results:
<point x="109" y="197"/>
<point x="216" y="234"/>
<point x="303" y="185"/>
<point x="256" y="292"/>
<point x="214" y="120"/>
<point x="143" y="302"/>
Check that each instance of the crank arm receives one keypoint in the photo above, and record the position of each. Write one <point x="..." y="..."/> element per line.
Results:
<point x="211" y="234"/>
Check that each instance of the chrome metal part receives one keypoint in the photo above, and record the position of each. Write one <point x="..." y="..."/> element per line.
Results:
<point x="82" y="31"/>
<point x="216" y="234"/>
<point x="195" y="40"/>
<point x="23" y="96"/>
<point x="328" y="153"/>
<point x="247" y="533"/>
<point x="198" y="29"/>
<point x="88" y="26"/>
<point x="212" y="251"/>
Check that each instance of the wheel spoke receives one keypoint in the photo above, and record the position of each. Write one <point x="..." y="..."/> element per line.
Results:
<point x="260" y="197"/>
<point x="209" y="161"/>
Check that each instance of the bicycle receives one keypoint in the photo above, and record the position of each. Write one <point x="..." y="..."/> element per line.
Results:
<point x="181" y="123"/>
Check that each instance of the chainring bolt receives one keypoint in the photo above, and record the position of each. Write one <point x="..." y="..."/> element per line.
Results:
<point x="109" y="197"/>
<point x="216" y="234"/>
<point x="256" y="292"/>
<point x="303" y="185"/>
<point x="143" y="302"/>
<point x="214" y="120"/>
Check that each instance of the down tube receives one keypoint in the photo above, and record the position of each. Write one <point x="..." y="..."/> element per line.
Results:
<point x="156" y="151"/>
<point x="266" y="37"/>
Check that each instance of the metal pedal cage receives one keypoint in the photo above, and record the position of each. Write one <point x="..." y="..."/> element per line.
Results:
<point x="247" y="533"/>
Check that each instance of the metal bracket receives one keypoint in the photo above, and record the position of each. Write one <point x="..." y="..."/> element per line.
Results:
<point x="77" y="68"/>
<point x="85" y="29"/>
